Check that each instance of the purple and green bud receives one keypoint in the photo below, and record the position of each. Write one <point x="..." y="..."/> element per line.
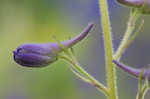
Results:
<point x="143" y="5"/>
<point x="40" y="55"/>
<point x="133" y="71"/>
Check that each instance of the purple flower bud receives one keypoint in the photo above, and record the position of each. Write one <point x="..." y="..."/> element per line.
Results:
<point x="40" y="55"/>
<point x="133" y="71"/>
<point x="144" y="5"/>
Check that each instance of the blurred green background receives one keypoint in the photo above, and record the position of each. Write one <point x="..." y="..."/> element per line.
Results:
<point x="29" y="21"/>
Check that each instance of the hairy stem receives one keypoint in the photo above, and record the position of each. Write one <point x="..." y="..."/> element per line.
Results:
<point x="130" y="27"/>
<point x="111" y="76"/>
<point x="92" y="80"/>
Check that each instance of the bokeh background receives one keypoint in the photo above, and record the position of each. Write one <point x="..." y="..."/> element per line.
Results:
<point x="30" y="21"/>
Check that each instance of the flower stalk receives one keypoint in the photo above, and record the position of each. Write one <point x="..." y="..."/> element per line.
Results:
<point x="89" y="79"/>
<point x="111" y="73"/>
<point x="142" y="89"/>
<point x="134" y="15"/>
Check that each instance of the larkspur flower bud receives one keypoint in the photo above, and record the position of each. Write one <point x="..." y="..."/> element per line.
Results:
<point x="133" y="71"/>
<point x="40" y="55"/>
<point x="143" y="5"/>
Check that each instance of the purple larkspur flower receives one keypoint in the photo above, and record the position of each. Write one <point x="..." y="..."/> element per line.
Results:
<point x="144" y="5"/>
<point x="40" y="55"/>
<point x="134" y="71"/>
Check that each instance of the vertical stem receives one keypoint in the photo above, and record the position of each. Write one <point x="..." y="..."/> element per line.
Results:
<point x="111" y="80"/>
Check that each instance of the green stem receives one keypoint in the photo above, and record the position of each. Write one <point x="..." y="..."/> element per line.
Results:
<point x="130" y="27"/>
<point x="142" y="93"/>
<point x="93" y="81"/>
<point x="139" y="96"/>
<point x="142" y="89"/>
<point x="80" y="76"/>
<point x="111" y="80"/>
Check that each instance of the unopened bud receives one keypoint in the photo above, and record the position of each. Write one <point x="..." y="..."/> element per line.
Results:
<point x="40" y="55"/>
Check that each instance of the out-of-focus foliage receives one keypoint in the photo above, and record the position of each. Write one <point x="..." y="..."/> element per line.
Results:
<point x="32" y="21"/>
